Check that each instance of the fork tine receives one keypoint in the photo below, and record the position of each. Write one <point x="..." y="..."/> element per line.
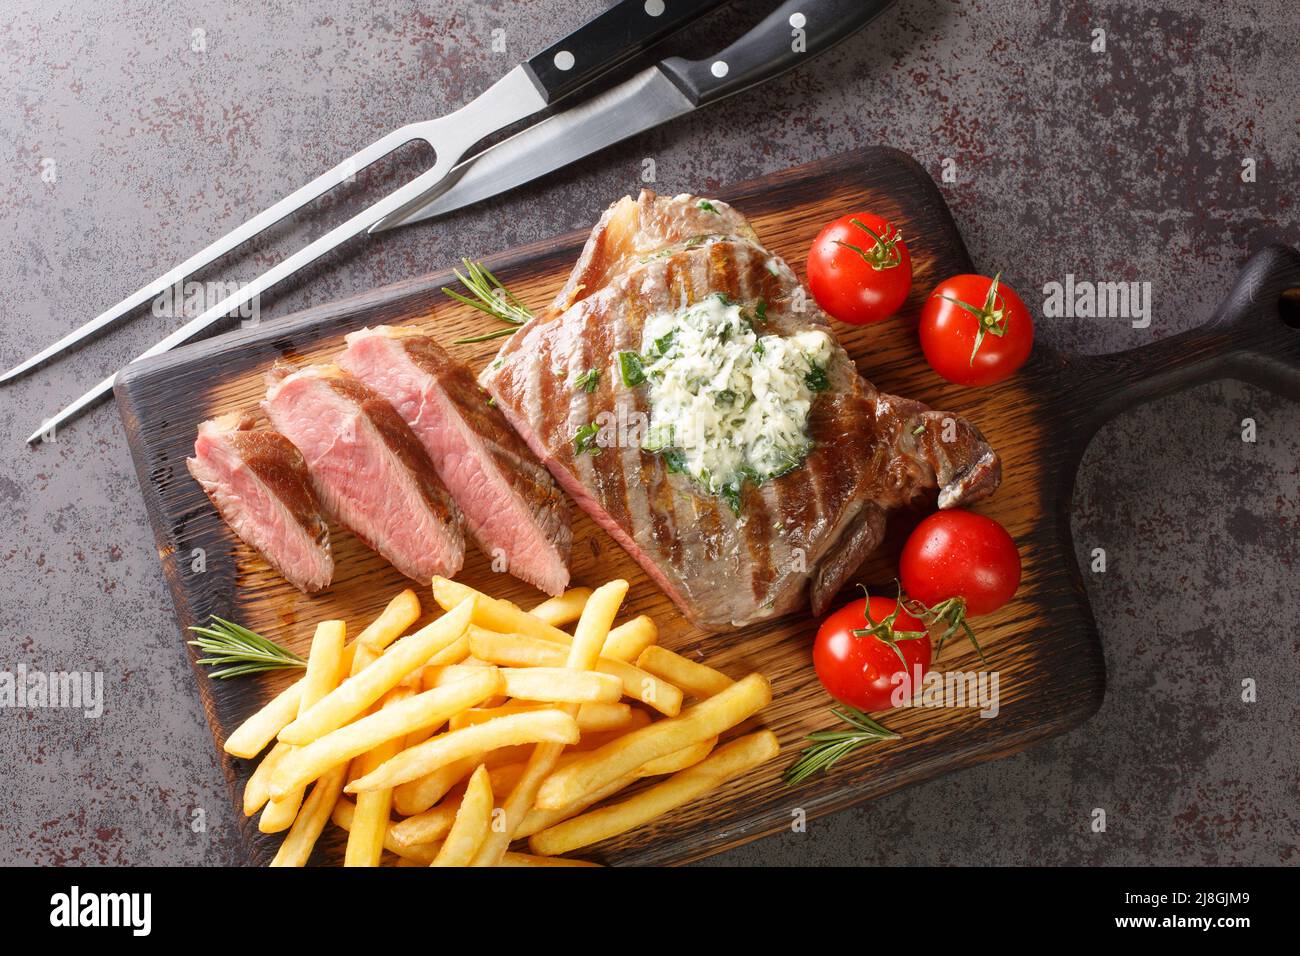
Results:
<point x="231" y="240"/>
<point x="303" y="257"/>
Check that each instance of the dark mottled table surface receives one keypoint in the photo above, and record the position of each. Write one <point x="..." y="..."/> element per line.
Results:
<point x="134" y="132"/>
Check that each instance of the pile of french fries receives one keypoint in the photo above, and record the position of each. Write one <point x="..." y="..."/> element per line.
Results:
<point x="492" y="725"/>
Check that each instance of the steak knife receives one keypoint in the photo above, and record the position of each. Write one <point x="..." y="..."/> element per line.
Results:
<point x="797" y="31"/>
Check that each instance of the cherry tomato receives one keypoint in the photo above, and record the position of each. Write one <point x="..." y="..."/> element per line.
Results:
<point x="959" y="554"/>
<point x="859" y="269"/>
<point x="859" y="670"/>
<point x="975" y="330"/>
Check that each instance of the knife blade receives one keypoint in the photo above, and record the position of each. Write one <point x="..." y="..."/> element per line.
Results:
<point x="790" y="35"/>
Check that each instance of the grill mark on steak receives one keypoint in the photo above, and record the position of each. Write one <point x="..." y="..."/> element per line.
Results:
<point x="632" y="229"/>
<point x="607" y="467"/>
<point x="865" y="458"/>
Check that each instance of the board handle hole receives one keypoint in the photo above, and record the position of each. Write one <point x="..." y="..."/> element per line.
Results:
<point x="1288" y="307"/>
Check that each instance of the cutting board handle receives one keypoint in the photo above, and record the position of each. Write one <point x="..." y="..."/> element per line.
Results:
<point x="1254" y="336"/>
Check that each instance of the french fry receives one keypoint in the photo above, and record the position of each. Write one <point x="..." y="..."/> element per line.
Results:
<point x="591" y="717"/>
<point x="402" y="611"/>
<point x="453" y="653"/>
<point x="561" y="685"/>
<point x="258" y="789"/>
<point x="398" y="719"/>
<point x="316" y="809"/>
<point x="537" y="820"/>
<point x="564" y="609"/>
<point x="593" y="740"/>
<point x="706" y="719"/>
<point x="698" y="680"/>
<point x="323" y="664"/>
<point x="629" y="639"/>
<point x="444" y="675"/>
<point x="431" y="823"/>
<point x="320" y="803"/>
<point x="522" y="650"/>
<point x="533" y="727"/>
<point x="494" y="613"/>
<point x="371" y="816"/>
<point x="418" y="795"/>
<point x="528" y="859"/>
<point x="416" y="854"/>
<point x="673" y="762"/>
<point x="583" y="655"/>
<point x="251" y="737"/>
<point x="728" y="762"/>
<point x="541" y="684"/>
<point x="362" y="689"/>
<point x="472" y="824"/>
<point x="428" y="827"/>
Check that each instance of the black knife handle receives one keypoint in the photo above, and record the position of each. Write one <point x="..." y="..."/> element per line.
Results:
<point x="796" y="32"/>
<point x="608" y="40"/>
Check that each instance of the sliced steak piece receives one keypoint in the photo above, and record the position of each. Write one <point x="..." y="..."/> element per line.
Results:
<point x="258" y="483"/>
<point x="510" y="502"/>
<point x="370" y="473"/>
<point x="795" y="538"/>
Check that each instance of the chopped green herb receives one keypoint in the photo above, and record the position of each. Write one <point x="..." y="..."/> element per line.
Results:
<point x="585" y="439"/>
<point x="709" y="207"/>
<point x="664" y="343"/>
<point x="658" y="437"/>
<point x="731" y="494"/>
<point x="674" y="459"/>
<point x="918" y="430"/>
<point x="816" y="379"/>
<point x="588" y="380"/>
<point x="631" y="369"/>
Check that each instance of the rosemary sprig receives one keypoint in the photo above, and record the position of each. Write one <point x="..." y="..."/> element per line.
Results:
<point x="240" y="651"/>
<point x="829" y="746"/>
<point x="488" y="295"/>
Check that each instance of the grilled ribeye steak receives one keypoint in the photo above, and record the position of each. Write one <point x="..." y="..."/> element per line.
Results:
<point x="773" y="537"/>
<point x="511" y="505"/>
<point x="369" y="472"/>
<point x="258" y="483"/>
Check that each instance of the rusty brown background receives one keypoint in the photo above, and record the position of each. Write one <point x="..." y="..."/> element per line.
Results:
<point x="1122" y="164"/>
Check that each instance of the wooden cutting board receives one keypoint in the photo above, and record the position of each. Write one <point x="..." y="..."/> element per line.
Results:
<point x="1043" y="645"/>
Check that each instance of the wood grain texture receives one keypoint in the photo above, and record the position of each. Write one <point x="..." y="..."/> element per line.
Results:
<point x="1043" y="644"/>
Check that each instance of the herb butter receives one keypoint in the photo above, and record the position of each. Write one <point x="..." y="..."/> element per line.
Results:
<point x="727" y="402"/>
